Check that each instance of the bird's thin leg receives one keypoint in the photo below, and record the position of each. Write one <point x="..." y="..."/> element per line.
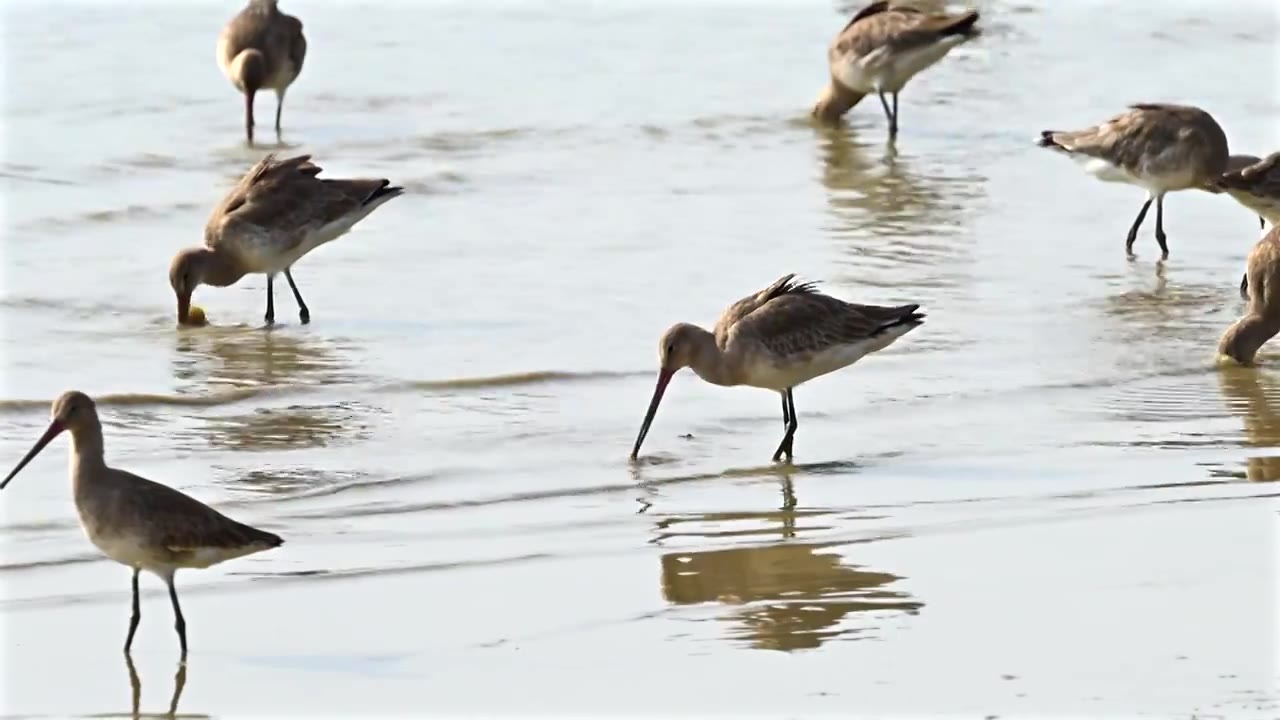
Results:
<point x="890" y="115"/>
<point x="137" y="613"/>
<point x="179" y="623"/>
<point x="248" y="116"/>
<point x="893" y="126"/>
<point x="784" y="448"/>
<point x="279" y="108"/>
<point x="270" y="317"/>
<point x="303" y="313"/>
<point x="1137" y="223"/>
<point x="786" y="415"/>
<point x="1160" y="237"/>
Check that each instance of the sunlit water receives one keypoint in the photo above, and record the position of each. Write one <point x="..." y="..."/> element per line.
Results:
<point x="1047" y="499"/>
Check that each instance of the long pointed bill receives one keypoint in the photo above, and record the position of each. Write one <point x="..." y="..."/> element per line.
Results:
<point x="55" y="428"/>
<point x="664" y="377"/>
<point x="184" y="308"/>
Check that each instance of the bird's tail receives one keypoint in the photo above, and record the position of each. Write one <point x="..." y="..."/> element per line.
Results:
<point x="965" y="25"/>
<point x="1048" y="139"/>
<point x="904" y="315"/>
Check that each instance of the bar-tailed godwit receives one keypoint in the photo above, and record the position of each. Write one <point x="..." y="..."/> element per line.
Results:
<point x="1159" y="147"/>
<point x="1261" y="320"/>
<point x="261" y="48"/>
<point x="776" y="339"/>
<point x="137" y="522"/>
<point x="1255" y="186"/>
<point x="881" y="49"/>
<point x="277" y="213"/>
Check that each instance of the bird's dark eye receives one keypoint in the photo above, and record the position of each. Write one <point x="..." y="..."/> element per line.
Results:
<point x="670" y="348"/>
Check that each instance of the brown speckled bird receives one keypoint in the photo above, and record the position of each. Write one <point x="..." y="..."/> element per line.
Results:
<point x="1159" y="147"/>
<point x="881" y="49"/>
<point x="278" y="212"/>
<point x="776" y="339"/>
<point x="137" y="522"/>
<point x="262" y="48"/>
<point x="1261" y="320"/>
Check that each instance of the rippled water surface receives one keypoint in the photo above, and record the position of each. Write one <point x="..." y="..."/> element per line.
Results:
<point x="1048" y="499"/>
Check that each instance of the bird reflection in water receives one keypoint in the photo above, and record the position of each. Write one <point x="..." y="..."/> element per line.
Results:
<point x="179" y="683"/>
<point x="1254" y="396"/>
<point x="241" y="361"/>
<point x="882" y="210"/>
<point x="785" y="596"/>
<point x="240" y="357"/>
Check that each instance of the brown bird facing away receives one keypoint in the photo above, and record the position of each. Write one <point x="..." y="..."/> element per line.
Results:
<point x="881" y="49"/>
<point x="277" y="213"/>
<point x="1257" y="187"/>
<point x="1261" y="320"/>
<point x="776" y="339"/>
<point x="1159" y="147"/>
<point x="136" y="522"/>
<point x="262" y="48"/>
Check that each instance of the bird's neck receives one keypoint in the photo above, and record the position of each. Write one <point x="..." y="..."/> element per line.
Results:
<point x="709" y="362"/>
<point x="86" y="449"/>
<point x="834" y="102"/>
<point x="219" y="269"/>
<point x="1242" y="340"/>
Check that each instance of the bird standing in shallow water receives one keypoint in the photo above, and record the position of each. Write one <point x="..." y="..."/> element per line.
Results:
<point x="1257" y="187"/>
<point x="881" y="49"/>
<point x="776" y="339"/>
<point x="277" y="213"/>
<point x="136" y="522"/>
<point x="262" y="48"/>
<point x="1158" y="147"/>
<point x="1261" y="320"/>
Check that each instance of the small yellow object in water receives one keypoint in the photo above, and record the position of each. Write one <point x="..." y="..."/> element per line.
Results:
<point x="195" y="315"/>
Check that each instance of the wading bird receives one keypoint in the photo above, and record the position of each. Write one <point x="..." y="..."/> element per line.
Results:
<point x="262" y="48"/>
<point x="277" y="213"/>
<point x="137" y="522"/>
<point x="1261" y="320"/>
<point x="1159" y="147"/>
<point x="776" y="339"/>
<point x="881" y="49"/>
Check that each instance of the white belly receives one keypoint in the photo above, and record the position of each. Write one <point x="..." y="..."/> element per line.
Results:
<point x="125" y="549"/>
<point x="790" y="372"/>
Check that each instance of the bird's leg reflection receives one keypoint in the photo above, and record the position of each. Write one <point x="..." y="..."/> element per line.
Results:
<point x="1162" y="279"/>
<point x="179" y="683"/>
<point x="788" y="495"/>
<point x="135" y="683"/>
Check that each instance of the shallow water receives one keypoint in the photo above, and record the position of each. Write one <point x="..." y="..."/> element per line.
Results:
<point x="1046" y="500"/>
